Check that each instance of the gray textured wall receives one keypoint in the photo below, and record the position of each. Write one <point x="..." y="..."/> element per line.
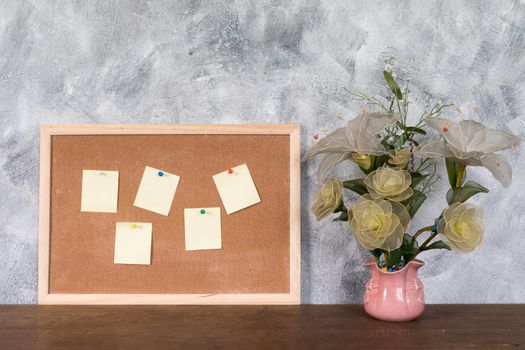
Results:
<point x="103" y="61"/>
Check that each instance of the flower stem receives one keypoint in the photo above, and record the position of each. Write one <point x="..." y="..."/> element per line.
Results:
<point x="461" y="173"/>
<point x="432" y="236"/>
<point x="419" y="232"/>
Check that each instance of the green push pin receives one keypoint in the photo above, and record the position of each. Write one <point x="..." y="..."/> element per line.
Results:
<point x="203" y="211"/>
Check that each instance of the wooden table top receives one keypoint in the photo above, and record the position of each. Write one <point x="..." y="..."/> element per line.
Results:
<point x="254" y="327"/>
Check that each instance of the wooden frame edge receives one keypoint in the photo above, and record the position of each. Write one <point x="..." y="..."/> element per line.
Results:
<point x="295" y="213"/>
<point x="291" y="298"/>
<point x="169" y="299"/>
<point x="44" y="213"/>
<point x="160" y="129"/>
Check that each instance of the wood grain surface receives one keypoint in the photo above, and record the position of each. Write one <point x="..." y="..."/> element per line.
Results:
<point x="257" y="327"/>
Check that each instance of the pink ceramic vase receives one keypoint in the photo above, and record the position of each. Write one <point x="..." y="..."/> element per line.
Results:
<point x="395" y="296"/>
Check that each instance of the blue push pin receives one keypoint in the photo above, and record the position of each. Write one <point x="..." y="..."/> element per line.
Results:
<point x="203" y="211"/>
<point x="161" y="173"/>
<point x="389" y="269"/>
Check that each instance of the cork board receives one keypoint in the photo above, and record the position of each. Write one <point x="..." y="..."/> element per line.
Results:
<point x="259" y="261"/>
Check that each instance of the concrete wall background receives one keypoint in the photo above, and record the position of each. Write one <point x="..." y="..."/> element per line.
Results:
<point x="238" y="61"/>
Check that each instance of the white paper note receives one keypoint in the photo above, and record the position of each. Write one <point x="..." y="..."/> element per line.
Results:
<point x="156" y="191"/>
<point x="99" y="191"/>
<point x="133" y="243"/>
<point x="236" y="188"/>
<point x="202" y="228"/>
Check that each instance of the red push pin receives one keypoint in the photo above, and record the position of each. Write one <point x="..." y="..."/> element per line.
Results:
<point x="230" y="171"/>
<point x="445" y="129"/>
<point x="316" y="136"/>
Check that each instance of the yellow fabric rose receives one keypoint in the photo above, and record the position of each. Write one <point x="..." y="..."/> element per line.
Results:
<point x="463" y="225"/>
<point x="390" y="184"/>
<point x="363" y="160"/>
<point x="328" y="198"/>
<point x="378" y="223"/>
<point x="399" y="158"/>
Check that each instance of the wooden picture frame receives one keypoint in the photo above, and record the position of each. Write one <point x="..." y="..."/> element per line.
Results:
<point x="46" y="134"/>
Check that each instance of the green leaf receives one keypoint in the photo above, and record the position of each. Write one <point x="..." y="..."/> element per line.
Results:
<point x="451" y="171"/>
<point x="365" y="171"/>
<point x="416" y="130"/>
<point x="341" y="207"/>
<point x="376" y="252"/>
<point x="450" y="195"/>
<point x="378" y="161"/>
<point x="409" y="251"/>
<point x="461" y="194"/>
<point x="436" y="245"/>
<point x="393" y="257"/>
<point x="342" y="217"/>
<point x="392" y="85"/>
<point x="417" y="178"/>
<point x="400" y="125"/>
<point x="414" y="202"/>
<point x="407" y="242"/>
<point x="407" y="246"/>
<point x="357" y="185"/>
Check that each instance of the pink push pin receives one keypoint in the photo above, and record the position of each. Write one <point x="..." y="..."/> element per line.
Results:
<point x="316" y="136"/>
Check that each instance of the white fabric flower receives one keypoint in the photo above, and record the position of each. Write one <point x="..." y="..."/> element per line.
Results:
<point x="359" y="135"/>
<point x="471" y="143"/>
<point x="400" y="132"/>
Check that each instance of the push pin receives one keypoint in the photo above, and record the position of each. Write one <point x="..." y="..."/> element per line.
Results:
<point x="316" y="136"/>
<point x="230" y="171"/>
<point x="445" y="129"/>
<point x="160" y="173"/>
<point x="203" y="211"/>
<point x="133" y="225"/>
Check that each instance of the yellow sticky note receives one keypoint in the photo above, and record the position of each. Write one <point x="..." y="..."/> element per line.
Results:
<point x="156" y="191"/>
<point x="202" y="228"/>
<point x="99" y="191"/>
<point x="133" y="243"/>
<point x="236" y="188"/>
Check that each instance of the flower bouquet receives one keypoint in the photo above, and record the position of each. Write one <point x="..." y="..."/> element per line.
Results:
<point x="398" y="165"/>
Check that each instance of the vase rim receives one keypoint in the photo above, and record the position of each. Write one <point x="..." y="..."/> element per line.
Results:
<point x="417" y="262"/>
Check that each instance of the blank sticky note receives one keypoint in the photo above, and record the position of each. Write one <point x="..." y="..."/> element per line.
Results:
<point x="133" y="243"/>
<point x="236" y="188"/>
<point x="99" y="191"/>
<point x="202" y="228"/>
<point x="156" y="191"/>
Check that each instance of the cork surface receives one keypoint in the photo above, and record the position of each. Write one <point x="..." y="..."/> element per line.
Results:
<point x="255" y="255"/>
